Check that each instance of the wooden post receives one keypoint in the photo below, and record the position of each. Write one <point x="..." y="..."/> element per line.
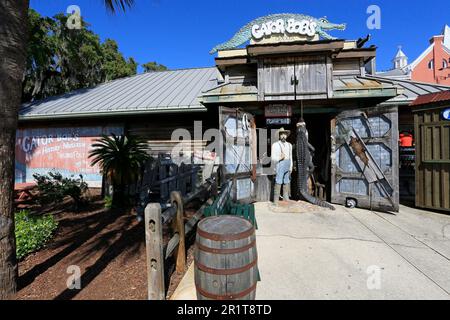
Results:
<point x="177" y="200"/>
<point x="181" y="255"/>
<point x="188" y="227"/>
<point x="154" y="248"/>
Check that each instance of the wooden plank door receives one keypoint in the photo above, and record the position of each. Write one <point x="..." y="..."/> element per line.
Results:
<point x="365" y="158"/>
<point x="312" y="77"/>
<point x="238" y="152"/>
<point x="295" y="78"/>
<point x="275" y="79"/>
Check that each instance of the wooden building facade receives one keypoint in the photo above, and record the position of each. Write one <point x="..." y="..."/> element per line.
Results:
<point x="325" y="83"/>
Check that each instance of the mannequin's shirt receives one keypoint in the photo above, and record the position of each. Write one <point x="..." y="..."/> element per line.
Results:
<point x="279" y="148"/>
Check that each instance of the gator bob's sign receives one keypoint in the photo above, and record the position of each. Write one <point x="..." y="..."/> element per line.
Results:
<point x="283" y="25"/>
<point x="280" y="27"/>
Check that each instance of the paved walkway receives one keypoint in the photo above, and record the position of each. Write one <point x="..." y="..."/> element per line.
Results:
<point x="353" y="254"/>
<point x="349" y="254"/>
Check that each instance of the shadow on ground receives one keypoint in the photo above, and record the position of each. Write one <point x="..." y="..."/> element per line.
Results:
<point x="94" y="240"/>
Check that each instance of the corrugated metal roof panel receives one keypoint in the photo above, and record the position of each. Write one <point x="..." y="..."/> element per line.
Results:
<point x="432" y="98"/>
<point x="411" y="89"/>
<point x="355" y="82"/>
<point x="155" y="91"/>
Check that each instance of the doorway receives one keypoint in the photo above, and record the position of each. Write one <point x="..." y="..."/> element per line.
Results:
<point x="318" y="126"/>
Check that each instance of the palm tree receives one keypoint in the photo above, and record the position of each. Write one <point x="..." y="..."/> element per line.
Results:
<point x="120" y="159"/>
<point x="13" y="42"/>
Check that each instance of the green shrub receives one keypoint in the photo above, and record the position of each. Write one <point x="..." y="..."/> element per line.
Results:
<point x="108" y="202"/>
<point x="53" y="188"/>
<point x="32" y="232"/>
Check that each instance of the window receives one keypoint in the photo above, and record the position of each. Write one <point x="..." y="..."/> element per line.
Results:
<point x="444" y="64"/>
<point x="431" y="64"/>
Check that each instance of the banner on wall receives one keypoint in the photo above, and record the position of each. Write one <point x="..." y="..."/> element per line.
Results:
<point x="64" y="150"/>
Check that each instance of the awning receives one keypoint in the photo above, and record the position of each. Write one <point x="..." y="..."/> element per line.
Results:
<point x="354" y="87"/>
<point x="230" y="92"/>
<point x="362" y="87"/>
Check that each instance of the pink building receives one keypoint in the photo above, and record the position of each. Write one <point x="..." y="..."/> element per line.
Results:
<point x="432" y="66"/>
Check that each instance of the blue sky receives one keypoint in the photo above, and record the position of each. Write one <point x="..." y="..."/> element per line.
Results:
<point x="180" y="33"/>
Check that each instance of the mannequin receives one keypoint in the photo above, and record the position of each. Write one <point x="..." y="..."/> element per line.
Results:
<point x="282" y="157"/>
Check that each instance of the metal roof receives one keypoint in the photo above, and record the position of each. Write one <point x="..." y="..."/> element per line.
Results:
<point x="401" y="74"/>
<point x="153" y="92"/>
<point x="410" y="89"/>
<point x="431" y="98"/>
<point x="346" y="82"/>
<point x="360" y="87"/>
<point x="183" y="90"/>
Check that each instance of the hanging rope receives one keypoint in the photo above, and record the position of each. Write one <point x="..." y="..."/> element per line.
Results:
<point x="301" y="109"/>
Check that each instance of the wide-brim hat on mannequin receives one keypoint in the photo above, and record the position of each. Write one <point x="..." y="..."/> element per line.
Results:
<point x="283" y="131"/>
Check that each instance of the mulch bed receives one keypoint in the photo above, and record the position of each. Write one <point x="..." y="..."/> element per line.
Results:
<point x="177" y="276"/>
<point x="107" y="245"/>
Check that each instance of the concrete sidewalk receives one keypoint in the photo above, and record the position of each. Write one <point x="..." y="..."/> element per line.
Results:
<point x="353" y="254"/>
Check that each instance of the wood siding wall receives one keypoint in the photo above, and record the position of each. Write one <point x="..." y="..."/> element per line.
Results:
<point x="345" y="67"/>
<point x="276" y="75"/>
<point x="242" y="74"/>
<point x="158" y="130"/>
<point x="432" y="160"/>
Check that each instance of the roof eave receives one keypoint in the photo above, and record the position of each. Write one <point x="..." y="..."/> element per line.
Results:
<point x="228" y="98"/>
<point x="110" y="113"/>
<point x="365" y="93"/>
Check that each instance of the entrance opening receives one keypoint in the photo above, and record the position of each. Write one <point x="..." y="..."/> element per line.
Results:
<point x="319" y="130"/>
<point x="366" y="153"/>
<point x="318" y="126"/>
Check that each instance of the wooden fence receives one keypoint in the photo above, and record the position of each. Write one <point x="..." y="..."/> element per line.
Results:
<point x="175" y="220"/>
<point x="160" y="177"/>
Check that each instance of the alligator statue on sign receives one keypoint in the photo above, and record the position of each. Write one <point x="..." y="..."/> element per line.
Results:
<point x="306" y="166"/>
<point x="245" y="33"/>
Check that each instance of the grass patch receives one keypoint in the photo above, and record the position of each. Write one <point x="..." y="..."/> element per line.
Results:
<point x="32" y="232"/>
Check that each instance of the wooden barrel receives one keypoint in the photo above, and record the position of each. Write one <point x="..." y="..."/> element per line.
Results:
<point x="225" y="259"/>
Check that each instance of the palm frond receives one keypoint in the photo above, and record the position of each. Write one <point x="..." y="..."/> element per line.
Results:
<point x="113" y="5"/>
<point x="119" y="157"/>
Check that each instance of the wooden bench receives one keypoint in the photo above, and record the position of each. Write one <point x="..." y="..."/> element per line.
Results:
<point x="22" y="192"/>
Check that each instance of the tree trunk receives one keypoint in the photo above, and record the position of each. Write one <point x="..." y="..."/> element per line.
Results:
<point x="13" y="38"/>
<point x="118" y="200"/>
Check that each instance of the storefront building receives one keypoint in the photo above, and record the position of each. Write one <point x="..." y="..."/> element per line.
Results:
<point x="292" y="67"/>
<point x="323" y="81"/>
